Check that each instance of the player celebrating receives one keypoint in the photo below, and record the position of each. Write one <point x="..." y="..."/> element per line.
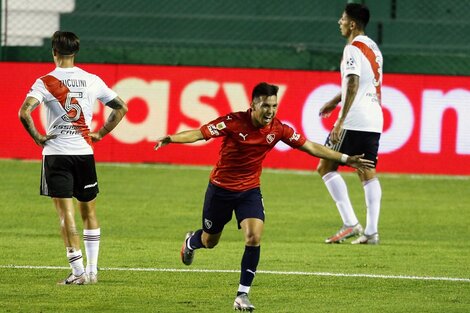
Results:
<point x="68" y="166"/>
<point x="235" y="181"/>
<point x="359" y="125"/>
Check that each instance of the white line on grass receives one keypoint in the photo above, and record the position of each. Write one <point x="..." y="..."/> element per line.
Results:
<point x="138" y="269"/>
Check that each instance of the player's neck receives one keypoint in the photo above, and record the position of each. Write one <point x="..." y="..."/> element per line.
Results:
<point x="354" y="34"/>
<point x="64" y="62"/>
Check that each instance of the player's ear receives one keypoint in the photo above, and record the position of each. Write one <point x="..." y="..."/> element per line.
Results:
<point x="256" y="102"/>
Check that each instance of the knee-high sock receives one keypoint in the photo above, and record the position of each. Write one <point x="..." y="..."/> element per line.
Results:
<point x="195" y="241"/>
<point x="373" y="196"/>
<point x="91" y="238"/>
<point x="339" y="192"/>
<point x="249" y="264"/>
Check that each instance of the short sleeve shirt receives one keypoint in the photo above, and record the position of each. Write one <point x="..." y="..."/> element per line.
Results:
<point x="365" y="113"/>
<point x="244" y="147"/>
<point x="69" y="96"/>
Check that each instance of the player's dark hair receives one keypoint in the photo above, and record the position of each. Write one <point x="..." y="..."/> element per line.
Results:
<point x="359" y="13"/>
<point x="264" y="89"/>
<point x="65" y="43"/>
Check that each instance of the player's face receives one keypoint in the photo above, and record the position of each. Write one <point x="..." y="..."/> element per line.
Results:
<point x="264" y="110"/>
<point x="345" y="25"/>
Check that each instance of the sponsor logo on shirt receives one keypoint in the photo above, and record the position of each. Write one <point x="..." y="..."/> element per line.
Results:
<point x="220" y="126"/>
<point x="213" y="129"/>
<point x="294" y="137"/>
<point x="243" y="136"/>
<point x="270" y="138"/>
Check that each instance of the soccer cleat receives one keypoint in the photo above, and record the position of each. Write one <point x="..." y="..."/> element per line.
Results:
<point x="367" y="240"/>
<point x="345" y="232"/>
<point x="92" y="278"/>
<point x="75" y="280"/>
<point x="242" y="303"/>
<point x="187" y="255"/>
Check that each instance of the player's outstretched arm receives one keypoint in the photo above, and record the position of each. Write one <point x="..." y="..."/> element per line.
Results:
<point x="320" y="151"/>
<point x="187" y="136"/>
<point x="25" y="117"/>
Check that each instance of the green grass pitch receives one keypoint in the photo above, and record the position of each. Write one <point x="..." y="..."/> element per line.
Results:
<point x="145" y="210"/>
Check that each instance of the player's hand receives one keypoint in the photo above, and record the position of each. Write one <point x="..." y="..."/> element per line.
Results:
<point x="336" y="132"/>
<point x="327" y="108"/>
<point x="95" y="136"/>
<point x="161" y="142"/>
<point x="357" y="161"/>
<point x="41" y="139"/>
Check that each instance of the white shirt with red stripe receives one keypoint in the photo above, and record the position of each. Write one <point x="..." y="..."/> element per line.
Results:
<point x="365" y="113"/>
<point x="69" y="96"/>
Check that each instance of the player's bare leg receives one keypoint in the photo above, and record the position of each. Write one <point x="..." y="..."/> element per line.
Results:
<point x="66" y="211"/>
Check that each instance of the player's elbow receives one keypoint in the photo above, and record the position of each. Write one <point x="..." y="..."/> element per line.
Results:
<point x="123" y="109"/>
<point x="22" y="115"/>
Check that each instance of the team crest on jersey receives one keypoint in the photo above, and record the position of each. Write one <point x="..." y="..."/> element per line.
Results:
<point x="220" y="126"/>
<point x="208" y="223"/>
<point x="213" y="129"/>
<point x="294" y="137"/>
<point x="270" y="138"/>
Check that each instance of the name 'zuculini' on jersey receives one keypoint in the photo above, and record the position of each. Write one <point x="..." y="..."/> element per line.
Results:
<point x="73" y="83"/>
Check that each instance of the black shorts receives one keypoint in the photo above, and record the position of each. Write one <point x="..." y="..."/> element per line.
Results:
<point x="354" y="142"/>
<point x="67" y="176"/>
<point x="219" y="204"/>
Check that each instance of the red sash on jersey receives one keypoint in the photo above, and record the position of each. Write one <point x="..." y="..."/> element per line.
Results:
<point x="60" y="91"/>
<point x="370" y="55"/>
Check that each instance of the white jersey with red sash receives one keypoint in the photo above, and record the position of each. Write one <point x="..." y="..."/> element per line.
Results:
<point x="69" y="95"/>
<point x="363" y="58"/>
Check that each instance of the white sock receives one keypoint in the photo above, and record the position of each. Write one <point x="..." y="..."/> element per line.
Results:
<point x="75" y="260"/>
<point x="373" y="195"/>
<point x="339" y="192"/>
<point x="91" y="238"/>
<point x="245" y="289"/>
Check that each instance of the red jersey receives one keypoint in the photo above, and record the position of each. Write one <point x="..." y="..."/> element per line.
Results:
<point x="244" y="148"/>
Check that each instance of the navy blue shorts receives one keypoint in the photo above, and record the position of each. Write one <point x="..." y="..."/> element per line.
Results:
<point x="67" y="176"/>
<point x="353" y="142"/>
<point x="219" y="204"/>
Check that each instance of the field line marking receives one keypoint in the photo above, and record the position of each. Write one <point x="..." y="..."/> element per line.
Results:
<point x="139" y="269"/>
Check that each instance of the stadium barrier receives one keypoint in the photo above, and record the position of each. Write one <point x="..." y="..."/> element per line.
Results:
<point x="425" y="116"/>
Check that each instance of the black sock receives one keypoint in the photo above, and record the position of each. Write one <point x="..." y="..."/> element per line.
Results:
<point x="195" y="241"/>
<point x="250" y="261"/>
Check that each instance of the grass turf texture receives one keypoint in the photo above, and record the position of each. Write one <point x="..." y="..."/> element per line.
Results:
<point x="145" y="211"/>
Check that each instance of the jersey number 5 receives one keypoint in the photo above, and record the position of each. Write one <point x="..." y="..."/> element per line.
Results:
<point x="72" y="107"/>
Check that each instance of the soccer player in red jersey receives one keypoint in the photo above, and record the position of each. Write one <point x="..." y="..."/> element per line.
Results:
<point x="235" y="181"/>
